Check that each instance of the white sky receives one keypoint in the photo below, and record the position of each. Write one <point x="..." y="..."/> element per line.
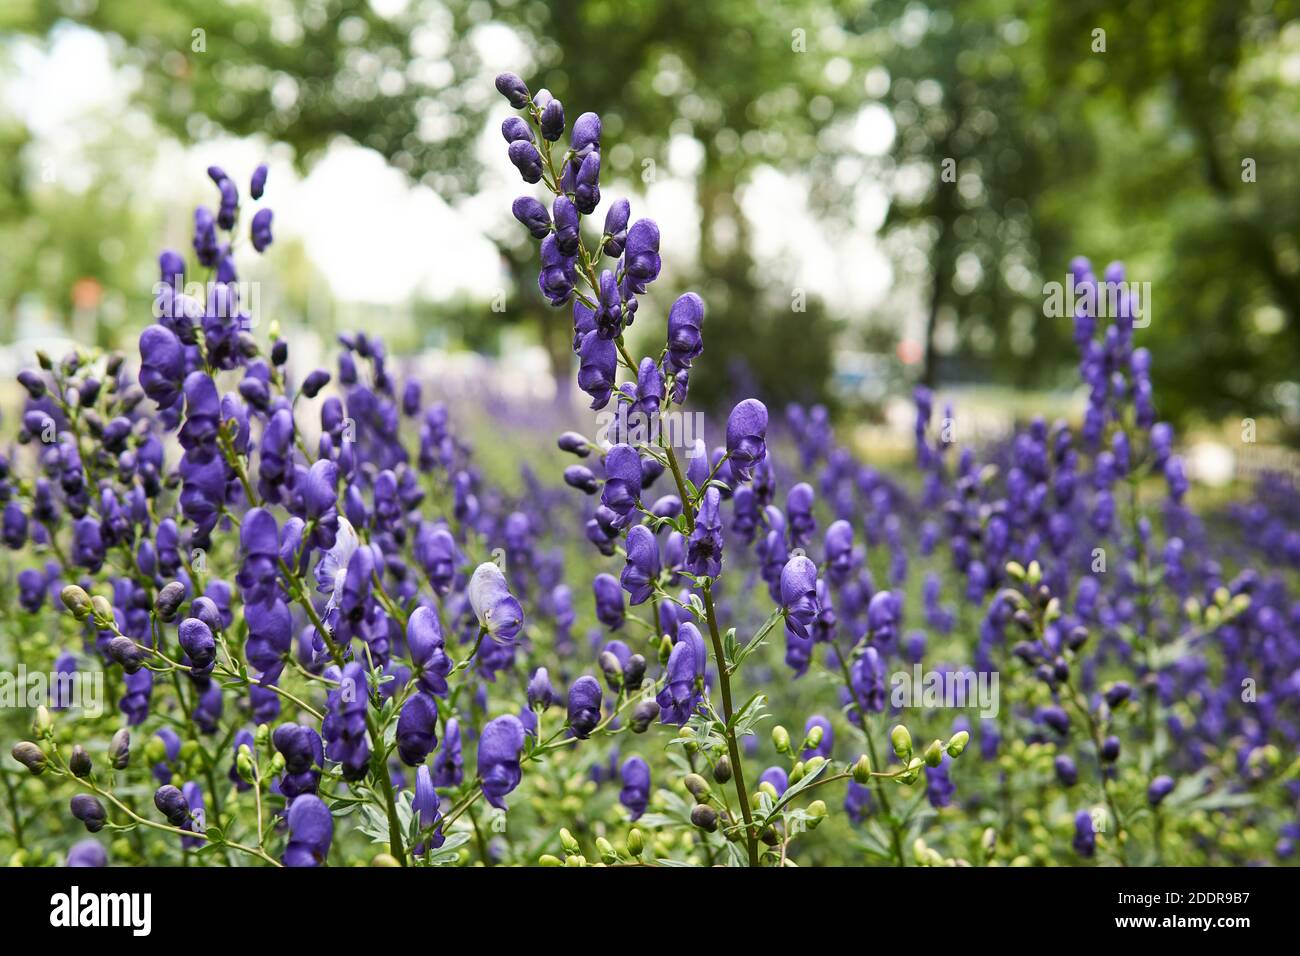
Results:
<point x="380" y="240"/>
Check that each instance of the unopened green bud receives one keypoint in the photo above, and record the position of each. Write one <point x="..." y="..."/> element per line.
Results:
<point x="957" y="743"/>
<point x="1238" y="605"/>
<point x="244" y="764"/>
<point x="42" y="723"/>
<point x="1221" y="596"/>
<point x="814" y="737"/>
<point x="277" y="763"/>
<point x="79" y="762"/>
<point x="812" y="765"/>
<point x="30" y="756"/>
<point x="796" y="773"/>
<point x="575" y="860"/>
<point x="612" y="669"/>
<point x="635" y="842"/>
<point x="768" y="789"/>
<point x="989" y="839"/>
<point x="1015" y="570"/>
<point x="606" y="850"/>
<point x="862" y="770"/>
<point x="665" y="648"/>
<point x="384" y="860"/>
<point x="901" y="741"/>
<point x="102" y="609"/>
<point x="547" y="860"/>
<point x="1034" y="573"/>
<point x="817" y="812"/>
<point x="697" y="786"/>
<point x="1192" y="608"/>
<point x="781" y="739"/>
<point x="76" y="600"/>
<point x="155" y="751"/>
<point x="722" y="769"/>
<point x="119" y="749"/>
<point x="189" y="750"/>
<point x="262" y="735"/>
<point x="571" y="845"/>
<point x="934" y="753"/>
<point x="704" y="817"/>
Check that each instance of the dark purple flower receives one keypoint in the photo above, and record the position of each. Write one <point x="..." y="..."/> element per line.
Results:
<point x="417" y="729"/>
<point x="311" y="830"/>
<point x="533" y="215"/>
<point x="584" y="706"/>
<point x="635" y="794"/>
<point x="704" y="546"/>
<point x="622" y="488"/>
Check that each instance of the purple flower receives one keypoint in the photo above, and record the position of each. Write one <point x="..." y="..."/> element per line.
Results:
<point x="746" y="437"/>
<point x="499" y="749"/>
<point x="303" y="757"/>
<point x="87" y="853"/>
<point x="622" y="488"/>
<point x="635" y="794"/>
<point x="642" y="568"/>
<point x="586" y="189"/>
<point x="426" y="805"/>
<point x="427" y="648"/>
<point x="533" y="215"/>
<point x="799" y="593"/>
<point x="1085" y="838"/>
<point x="939" y="788"/>
<point x="685" y="342"/>
<point x="447" y="764"/>
<point x="704" y="546"/>
<point x="540" y="692"/>
<point x="567" y="238"/>
<point x="496" y="609"/>
<point x="513" y="89"/>
<point x="615" y="234"/>
<point x="678" y="697"/>
<point x="162" y="365"/>
<point x="641" y="262"/>
<point x="1160" y="788"/>
<point x="260" y="229"/>
<point x="417" y="729"/>
<point x="199" y="645"/>
<point x="558" y="272"/>
<point x="584" y="706"/>
<point x="526" y="159"/>
<point x="598" y="368"/>
<point x="311" y="830"/>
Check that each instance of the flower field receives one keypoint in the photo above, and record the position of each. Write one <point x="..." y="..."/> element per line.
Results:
<point x="270" y="615"/>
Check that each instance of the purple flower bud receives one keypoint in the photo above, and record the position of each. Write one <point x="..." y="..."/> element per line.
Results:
<point x="89" y="811"/>
<point x="516" y="130"/>
<point x="258" y="184"/>
<point x="260" y="229"/>
<point x="540" y="692"/>
<point x="586" y="192"/>
<point x="1085" y="838"/>
<point x="533" y="215"/>
<point x="567" y="238"/>
<point x="1160" y="788"/>
<point x="526" y="159"/>
<point x="513" y="89"/>
<point x="552" y="120"/>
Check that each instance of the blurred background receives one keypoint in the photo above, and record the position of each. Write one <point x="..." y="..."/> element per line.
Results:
<point x="868" y="195"/>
